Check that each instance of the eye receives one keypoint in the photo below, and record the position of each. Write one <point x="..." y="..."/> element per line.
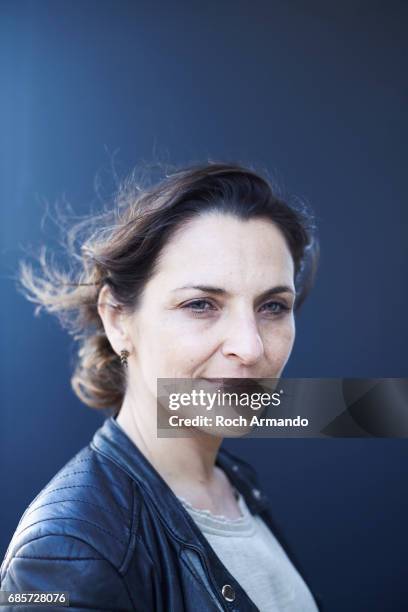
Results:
<point x="198" y="307"/>
<point x="275" y="308"/>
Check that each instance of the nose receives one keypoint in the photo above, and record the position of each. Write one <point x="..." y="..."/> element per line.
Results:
<point x="243" y="341"/>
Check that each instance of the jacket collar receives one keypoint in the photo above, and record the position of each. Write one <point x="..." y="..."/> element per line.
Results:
<point x="111" y="441"/>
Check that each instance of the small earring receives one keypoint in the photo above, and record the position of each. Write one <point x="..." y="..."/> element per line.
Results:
<point x="124" y="354"/>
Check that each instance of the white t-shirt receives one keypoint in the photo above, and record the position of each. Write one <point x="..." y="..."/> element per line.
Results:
<point x="252" y="554"/>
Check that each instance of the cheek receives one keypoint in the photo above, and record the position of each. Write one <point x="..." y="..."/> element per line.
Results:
<point x="187" y="353"/>
<point x="172" y="350"/>
<point x="278" y="342"/>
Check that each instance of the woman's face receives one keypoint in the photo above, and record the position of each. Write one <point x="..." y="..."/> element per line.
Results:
<point x="219" y="306"/>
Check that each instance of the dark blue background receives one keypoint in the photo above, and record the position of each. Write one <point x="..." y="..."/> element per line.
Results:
<point x="313" y="91"/>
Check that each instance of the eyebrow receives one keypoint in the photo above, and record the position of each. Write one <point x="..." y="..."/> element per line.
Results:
<point x="219" y="291"/>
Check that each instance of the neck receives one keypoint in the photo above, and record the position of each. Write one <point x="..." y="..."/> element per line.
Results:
<point x="185" y="463"/>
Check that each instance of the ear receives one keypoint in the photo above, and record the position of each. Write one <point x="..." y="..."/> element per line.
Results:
<point x="114" y="321"/>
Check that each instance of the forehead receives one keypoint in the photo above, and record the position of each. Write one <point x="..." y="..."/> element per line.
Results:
<point x="222" y="249"/>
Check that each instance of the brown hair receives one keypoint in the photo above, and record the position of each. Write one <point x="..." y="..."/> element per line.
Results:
<point x="121" y="248"/>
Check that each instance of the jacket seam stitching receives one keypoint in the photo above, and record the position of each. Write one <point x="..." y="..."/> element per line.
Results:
<point x="47" y="491"/>
<point x="68" y="474"/>
<point x="60" y="558"/>
<point x="15" y="553"/>
<point x="71" y="518"/>
<point x="114" y="568"/>
<point x="132" y="533"/>
<point x="82" y="501"/>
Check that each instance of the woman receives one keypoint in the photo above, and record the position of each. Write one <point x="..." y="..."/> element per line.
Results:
<point x="197" y="277"/>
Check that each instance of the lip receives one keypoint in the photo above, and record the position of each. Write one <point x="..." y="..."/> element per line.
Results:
<point x="237" y="384"/>
<point x="226" y="378"/>
<point x="224" y="382"/>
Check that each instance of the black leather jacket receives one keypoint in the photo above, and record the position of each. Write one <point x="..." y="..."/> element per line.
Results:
<point x="109" y="531"/>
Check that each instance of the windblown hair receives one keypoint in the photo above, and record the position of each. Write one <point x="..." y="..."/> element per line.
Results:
<point x="120" y="247"/>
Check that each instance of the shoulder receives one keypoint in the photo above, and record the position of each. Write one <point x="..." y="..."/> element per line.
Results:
<point x="88" y="509"/>
<point x="79" y="536"/>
